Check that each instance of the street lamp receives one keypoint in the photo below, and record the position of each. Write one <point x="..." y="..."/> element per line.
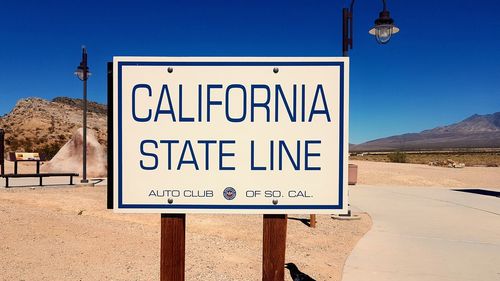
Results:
<point x="83" y="73"/>
<point x="383" y="30"/>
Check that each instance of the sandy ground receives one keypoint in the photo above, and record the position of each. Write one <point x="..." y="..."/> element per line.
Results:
<point x="65" y="233"/>
<point x="396" y="174"/>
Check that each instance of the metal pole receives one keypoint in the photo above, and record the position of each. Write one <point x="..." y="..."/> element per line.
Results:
<point x="345" y="29"/>
<point x="347" y="35"/>
<point x="84" y="180"/>
<point x="2" y="151"/>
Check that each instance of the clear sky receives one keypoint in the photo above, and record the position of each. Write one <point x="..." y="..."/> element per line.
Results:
<point x="442" y="67"/>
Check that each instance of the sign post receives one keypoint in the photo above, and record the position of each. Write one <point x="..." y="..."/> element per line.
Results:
<point x="312" y="221"/>
<point x="228" y="135"/>
<point x="273" y="248"/>
<point x="172" y="247"/>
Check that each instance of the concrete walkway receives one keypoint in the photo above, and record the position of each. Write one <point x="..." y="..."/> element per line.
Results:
<point x="426" y="234"/>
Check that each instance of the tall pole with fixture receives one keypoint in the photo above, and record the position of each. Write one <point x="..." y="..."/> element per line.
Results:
<point x="383" y="29"/>
<point x="2" y="150"/>
<point x="83" y="73"/>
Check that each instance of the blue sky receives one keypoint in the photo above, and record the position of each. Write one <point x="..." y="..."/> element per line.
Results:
<point x="441" y="68"/>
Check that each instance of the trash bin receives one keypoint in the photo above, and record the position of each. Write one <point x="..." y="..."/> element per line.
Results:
<point x="353" y="174"/>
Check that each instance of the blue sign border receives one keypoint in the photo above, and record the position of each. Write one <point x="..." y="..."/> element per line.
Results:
<point x="248" y="207"/>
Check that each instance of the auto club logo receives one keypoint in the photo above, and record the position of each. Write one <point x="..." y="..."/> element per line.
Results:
<point x="229" y="193"/>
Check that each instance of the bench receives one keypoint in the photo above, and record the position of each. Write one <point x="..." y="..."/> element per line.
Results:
<point x="39" y="175"/>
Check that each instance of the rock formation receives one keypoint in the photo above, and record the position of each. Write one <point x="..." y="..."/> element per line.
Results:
<point x="69" y="157"/>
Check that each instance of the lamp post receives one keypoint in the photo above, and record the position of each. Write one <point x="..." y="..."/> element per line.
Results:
<point x="2" y="149"/>
<point x="83" y="73"/>
<point x="383" y="29"/>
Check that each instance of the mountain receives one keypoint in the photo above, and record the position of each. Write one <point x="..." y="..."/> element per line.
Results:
<point x="39" y="125"/>
<point x="477" y="131"/>
<point x="78" y="103"/>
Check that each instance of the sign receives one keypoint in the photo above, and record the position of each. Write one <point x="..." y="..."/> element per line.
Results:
<point x="27" y="156"/>
<point x="230" y="135"/>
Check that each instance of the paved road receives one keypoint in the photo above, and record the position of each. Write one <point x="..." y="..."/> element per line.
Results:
<point x="426" y="234"/>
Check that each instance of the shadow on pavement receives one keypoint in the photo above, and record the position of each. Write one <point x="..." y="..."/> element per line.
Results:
<point x="484" y="192"/>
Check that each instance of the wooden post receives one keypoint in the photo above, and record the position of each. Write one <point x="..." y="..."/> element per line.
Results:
<point x="173" y="247"/>
<point x="312" y="221"/>
<point x="274" y="245"/>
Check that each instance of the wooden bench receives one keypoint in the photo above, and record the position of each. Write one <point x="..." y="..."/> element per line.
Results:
<point x="39" y="175"/>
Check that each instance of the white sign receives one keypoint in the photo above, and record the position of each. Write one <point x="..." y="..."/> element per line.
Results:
<point x="230" y="135"/>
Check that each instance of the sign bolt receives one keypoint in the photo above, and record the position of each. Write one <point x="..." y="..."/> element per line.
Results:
<point x="170" y="70"/>
<point x="275" y="201"/>
<point x="170" y="200"/>
<point x="276" y="70"/>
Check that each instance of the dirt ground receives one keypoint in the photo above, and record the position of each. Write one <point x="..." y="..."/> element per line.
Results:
<point x="65" y="233"/>
<point x="396" y="174"/>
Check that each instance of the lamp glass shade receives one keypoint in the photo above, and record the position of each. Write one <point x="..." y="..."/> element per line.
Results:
<point x="383" y="32"/>
<point x="79" y="73"/>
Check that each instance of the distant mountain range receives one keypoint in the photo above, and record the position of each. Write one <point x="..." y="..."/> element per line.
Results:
<point x="40" y="125"/>
<point x="477" y="131"/>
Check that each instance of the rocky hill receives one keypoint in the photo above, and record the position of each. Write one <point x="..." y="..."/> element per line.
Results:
<point x="477" y="131"/>
<point x="78" y="103"/>
<point x="45" y="126"/>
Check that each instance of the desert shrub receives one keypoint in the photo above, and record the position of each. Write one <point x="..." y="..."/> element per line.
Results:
<point x="397" y="157"/>
<point x="52" y="124"/>
<point x="12" y="143"/>
<point x="49" y="150"/>
<point x="27" y="144"/>
<point x="42" y="140"/>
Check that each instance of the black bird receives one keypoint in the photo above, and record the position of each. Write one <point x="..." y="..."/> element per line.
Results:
<point x="296" y="274"/>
